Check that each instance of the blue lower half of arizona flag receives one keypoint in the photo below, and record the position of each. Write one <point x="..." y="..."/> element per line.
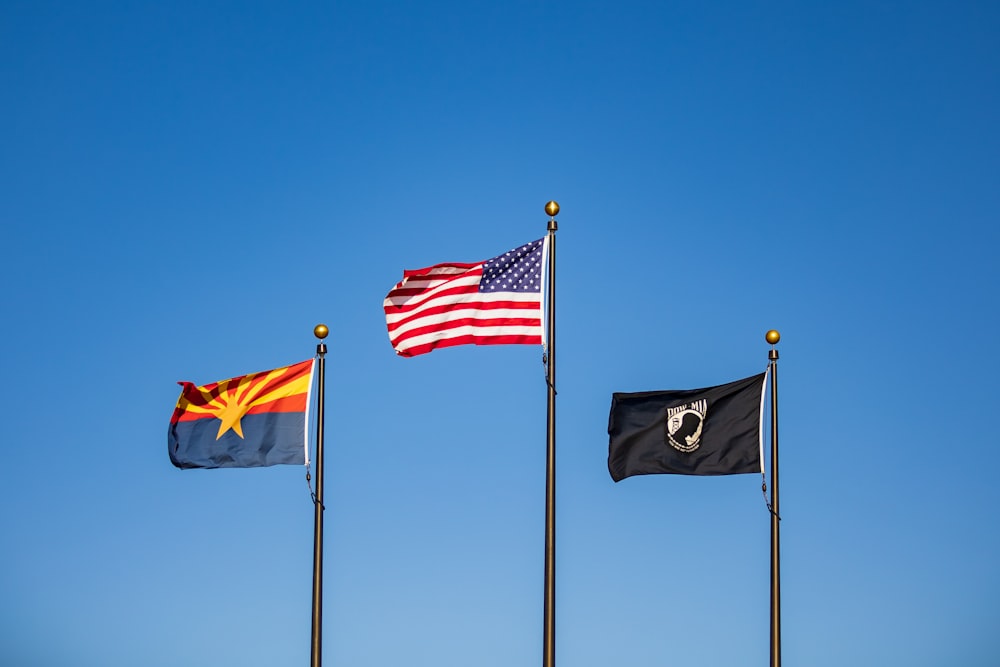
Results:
<point x="245" y="422"/>
<point x="268" y="439"/>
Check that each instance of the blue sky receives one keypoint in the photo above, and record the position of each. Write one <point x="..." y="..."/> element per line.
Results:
<point x="188" y="188"/>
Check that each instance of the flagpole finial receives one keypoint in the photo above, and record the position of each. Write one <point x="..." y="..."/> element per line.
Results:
<point x="321" y="331"/>
<point x="552" y="208"/>
<point x="772" y="337"/>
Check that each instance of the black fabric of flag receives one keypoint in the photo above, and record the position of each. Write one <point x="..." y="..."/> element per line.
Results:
<point x="710" y="431"/>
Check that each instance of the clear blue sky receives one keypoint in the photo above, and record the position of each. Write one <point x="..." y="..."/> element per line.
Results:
<point x="188" y="188"/>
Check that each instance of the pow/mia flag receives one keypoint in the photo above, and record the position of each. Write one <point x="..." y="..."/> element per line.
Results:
<point x="711" y="431"/>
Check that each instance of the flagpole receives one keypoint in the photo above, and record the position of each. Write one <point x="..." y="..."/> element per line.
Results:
<point x="320" y="331"/>
<point x="549" y="608"/>
<point x="773" y="337"/>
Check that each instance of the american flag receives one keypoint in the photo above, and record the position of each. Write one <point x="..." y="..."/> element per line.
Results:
<point x="496" y="302"/>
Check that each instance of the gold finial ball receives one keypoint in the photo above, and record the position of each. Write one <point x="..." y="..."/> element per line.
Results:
<point x="772" y="337"/>
<point x="552" y="208"/>
<point x="321" y="331"/>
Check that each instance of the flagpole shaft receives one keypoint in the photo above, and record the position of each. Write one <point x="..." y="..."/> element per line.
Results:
<point x="549" y="608"/>
<point x="775" y="518"/>
<point x="316" y="657"/>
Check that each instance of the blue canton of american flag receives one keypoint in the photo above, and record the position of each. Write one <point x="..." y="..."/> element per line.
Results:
<point x="519" y="270"/>
<point x="496" y="302"/>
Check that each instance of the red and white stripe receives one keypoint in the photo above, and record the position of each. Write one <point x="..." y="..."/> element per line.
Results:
<point x="441" y="306"/>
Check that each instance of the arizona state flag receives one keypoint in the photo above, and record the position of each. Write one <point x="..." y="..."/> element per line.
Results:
<point x="244" y="422"/>
<point x="710" y="431"/>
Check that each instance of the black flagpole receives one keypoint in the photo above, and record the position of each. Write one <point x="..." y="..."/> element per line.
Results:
<point x="549" y="608"/>
<point x="320" y="331"/>
<point x="773" y="337"/>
